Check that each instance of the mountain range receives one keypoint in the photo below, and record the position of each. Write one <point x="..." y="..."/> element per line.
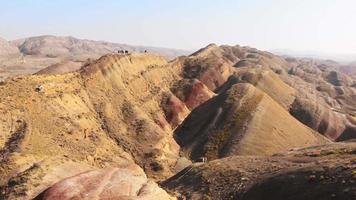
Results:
<point x="225" y="122"/>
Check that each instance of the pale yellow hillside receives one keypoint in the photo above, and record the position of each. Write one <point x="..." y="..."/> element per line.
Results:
<point x="109" y="113"/>
<point x="272" y="129"/>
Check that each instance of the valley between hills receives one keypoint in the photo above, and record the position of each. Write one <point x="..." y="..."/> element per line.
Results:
<point x="225" y="122"/>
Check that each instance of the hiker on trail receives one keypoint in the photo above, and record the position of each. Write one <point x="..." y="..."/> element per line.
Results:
<point x="39" y="88"/>
<point x="203" y="159"/>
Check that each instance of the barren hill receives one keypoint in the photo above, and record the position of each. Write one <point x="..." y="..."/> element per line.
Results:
<point x="242" y="121"/>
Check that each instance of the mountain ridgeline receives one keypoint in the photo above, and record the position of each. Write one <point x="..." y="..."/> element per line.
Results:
<point x="62" y="54"/>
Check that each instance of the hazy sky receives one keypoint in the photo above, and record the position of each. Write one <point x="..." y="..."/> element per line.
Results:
<point x="308" y="25"/>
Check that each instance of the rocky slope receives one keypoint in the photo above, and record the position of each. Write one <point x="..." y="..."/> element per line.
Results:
<point x="316" y="173"/>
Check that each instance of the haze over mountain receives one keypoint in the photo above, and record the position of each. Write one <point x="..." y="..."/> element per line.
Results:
<point x="318" y="25"/>
<point x="346" y="59"/>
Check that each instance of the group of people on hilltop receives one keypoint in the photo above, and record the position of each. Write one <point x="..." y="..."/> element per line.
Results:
<point x="123" y="52"/>
<point x="126" y="51"/>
